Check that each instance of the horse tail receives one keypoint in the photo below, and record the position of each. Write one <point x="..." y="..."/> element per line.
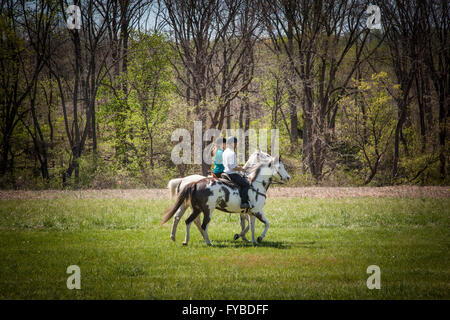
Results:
<point x="173" y="185"/>
<point x="183" y="196"/>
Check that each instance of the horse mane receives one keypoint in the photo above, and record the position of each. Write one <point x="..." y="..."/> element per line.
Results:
<point x="264" y="155"/>
<point x="254" y="171"/>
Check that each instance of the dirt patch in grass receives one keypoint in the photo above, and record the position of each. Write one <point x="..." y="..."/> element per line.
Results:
<point x="344" y="192"/>
<point x="306" y="192"/>
<point x="86" y="194"/>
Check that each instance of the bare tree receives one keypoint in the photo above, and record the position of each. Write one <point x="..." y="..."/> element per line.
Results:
<point x="436" y="16"/>
<point x="39" y="23"/>
<point x="17" y="77"/>
<point x="317" y="36"/>
<point x="90" y="65"/>
<point x="401" y="21"/>
<point x="249" y="25"/>
<point x="210" y="51"/>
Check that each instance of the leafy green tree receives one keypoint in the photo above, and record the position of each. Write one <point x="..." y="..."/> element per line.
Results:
<point x="146" y="101"/>
<point x="368" y="122"/>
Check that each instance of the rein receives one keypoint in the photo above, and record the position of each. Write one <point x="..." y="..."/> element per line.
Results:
<point x="260" y="193"/>
<point x="270" y="182"/>
<point x="263" y="194"/>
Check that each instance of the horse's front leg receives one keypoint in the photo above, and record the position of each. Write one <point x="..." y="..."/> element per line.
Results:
<point x="244" y="229"/>
<point x="244" y="232"/>
<point x="252" y="228"/>
<point x="263" y="219"/>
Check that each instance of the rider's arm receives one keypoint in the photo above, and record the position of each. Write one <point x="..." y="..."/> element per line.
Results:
<point x="236" y="167"/>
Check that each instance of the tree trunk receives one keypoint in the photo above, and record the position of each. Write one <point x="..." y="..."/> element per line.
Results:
<point x="443" y="114"/>
<point x="290" y="7"/>
<point x="398" y="129"/>
<point x="4" y="157"/>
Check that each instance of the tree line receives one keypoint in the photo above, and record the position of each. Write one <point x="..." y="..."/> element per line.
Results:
<point x="95" y="106"/>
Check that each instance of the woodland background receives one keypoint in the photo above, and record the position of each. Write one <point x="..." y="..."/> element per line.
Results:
<point x="96" y="107"/>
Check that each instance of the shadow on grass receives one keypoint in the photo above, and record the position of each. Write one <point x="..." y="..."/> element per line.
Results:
<point x="265" y="244"/>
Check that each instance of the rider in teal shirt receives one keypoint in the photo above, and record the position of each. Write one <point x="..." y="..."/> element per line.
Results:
<point x="218" y="160"/>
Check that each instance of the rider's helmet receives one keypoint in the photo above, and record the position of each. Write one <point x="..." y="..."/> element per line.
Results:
<point x="231" y="141"/>
<point x="220" y="141"/>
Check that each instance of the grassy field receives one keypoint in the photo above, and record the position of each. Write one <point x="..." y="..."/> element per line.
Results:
<point x="315" y="249"/>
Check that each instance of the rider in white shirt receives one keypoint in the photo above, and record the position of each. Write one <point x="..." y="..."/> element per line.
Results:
<point x="232" y="170"/>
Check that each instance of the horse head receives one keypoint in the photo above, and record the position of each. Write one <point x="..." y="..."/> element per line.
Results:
<point x="269" y="170"/>
<point x="279" y="171"/>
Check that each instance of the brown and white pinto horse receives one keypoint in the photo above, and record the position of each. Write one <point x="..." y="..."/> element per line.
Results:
<point x="208" y="194"/>
<point x="176" y="185"/>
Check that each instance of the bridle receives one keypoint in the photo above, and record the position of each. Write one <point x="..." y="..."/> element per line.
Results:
<point x="270" y="182"/>
<point x="257" y="192"/>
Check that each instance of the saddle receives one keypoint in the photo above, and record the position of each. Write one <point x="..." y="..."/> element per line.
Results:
<point x="225" y="179"/>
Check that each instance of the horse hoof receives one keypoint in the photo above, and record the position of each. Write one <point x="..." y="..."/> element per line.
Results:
<point x="173" y="238"/>
<point x="184" y="243"/>
<point x="236" y="236"/>
<point x="259" y="239"/>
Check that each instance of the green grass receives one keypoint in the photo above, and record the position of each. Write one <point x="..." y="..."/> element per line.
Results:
<point x="315" y="249"/>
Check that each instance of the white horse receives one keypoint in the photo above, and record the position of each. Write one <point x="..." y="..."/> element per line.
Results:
<point x="208" y="194"/>
<point x="177" y="184"/>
